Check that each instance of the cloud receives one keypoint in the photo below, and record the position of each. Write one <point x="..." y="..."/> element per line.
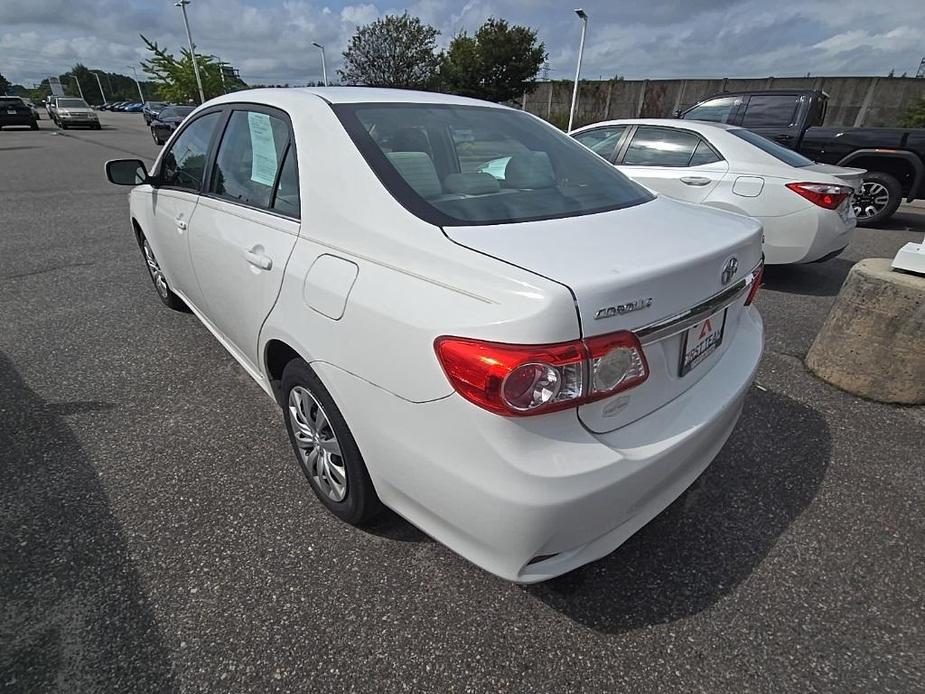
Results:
<point x="271" y="40"/>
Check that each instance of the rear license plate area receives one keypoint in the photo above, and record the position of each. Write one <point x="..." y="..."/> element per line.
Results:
<point x="700" y="341"/>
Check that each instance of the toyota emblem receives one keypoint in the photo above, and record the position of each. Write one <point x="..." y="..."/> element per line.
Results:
<point x="729" y="270"/>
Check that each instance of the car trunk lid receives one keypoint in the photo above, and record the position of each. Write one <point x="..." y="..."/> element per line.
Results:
<point x="633" y="268"/>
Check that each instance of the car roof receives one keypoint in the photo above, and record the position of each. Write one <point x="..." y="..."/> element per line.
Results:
<point x="347" y="95"/>
<point x="695" y="125"/>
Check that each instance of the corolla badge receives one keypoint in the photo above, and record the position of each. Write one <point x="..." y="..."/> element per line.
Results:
<point x="620" y="309"/>
<point x="730" y="268"/>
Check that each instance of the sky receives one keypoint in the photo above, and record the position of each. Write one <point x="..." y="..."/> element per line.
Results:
<point x="270" y="41"/>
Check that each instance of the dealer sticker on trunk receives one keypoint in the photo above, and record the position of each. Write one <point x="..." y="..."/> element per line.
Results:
<point x="700" y="341"/>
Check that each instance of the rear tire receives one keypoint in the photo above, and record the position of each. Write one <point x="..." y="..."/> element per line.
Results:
<point x="878" y="198"/>
<point x="324" y="447"/>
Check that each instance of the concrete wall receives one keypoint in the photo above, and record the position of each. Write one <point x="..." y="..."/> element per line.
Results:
<point x="853" y="101"/>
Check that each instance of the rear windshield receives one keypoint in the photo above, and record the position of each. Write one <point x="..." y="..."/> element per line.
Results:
<point x="72" y="103"/>
<point x="460" y="165"/>
<point x="779" y="152"/>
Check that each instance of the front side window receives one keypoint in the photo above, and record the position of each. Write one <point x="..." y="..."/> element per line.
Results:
<point x="461" y="165"/>
<point x="184" y="164"/>
<point x="770" y="110"/>
<point x="714" y="111"/>
<point x="249" y="158"/>
<point x="652" y="146"/>
<point x="602" y="141"/>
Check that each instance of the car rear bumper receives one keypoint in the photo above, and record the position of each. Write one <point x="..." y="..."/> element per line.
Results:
<point x="805" y="236"/>
<point x="532" y="498"/>
<point x="23" y="119"/>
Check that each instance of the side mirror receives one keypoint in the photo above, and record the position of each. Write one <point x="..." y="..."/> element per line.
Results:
<point x="126" y="172"/>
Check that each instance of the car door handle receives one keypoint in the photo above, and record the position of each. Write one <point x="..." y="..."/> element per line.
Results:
<point x="695" y="181"/>
<point x="181" y="224"/>
<point x="264" y="262"/>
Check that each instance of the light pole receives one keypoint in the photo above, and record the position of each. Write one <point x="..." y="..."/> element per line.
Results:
<point x="137" y="83"/>
<point x="192" y="49"/>
<point x="81" y="91"/>
<point x="324" y="67"/>
<point x="102" y="93"/>
<point x="581" y="49"/>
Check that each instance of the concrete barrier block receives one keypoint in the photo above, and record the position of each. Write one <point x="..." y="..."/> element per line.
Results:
<point x="872" y="343"/>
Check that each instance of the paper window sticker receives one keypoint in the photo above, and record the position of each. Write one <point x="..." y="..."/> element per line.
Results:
<point x="263" y="162"/>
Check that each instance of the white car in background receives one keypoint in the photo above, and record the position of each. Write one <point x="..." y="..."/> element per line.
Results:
<point x="805" y="208"/>
<point x="529" y="366"/>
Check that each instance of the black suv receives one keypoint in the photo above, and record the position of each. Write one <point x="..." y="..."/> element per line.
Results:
<point x="15" y="111"/>
<point x="894" y="157"/>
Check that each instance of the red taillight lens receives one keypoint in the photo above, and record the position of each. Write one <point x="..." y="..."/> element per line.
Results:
<point x="517" y="380"/>
<point x="822" y="194"/>
<point x="757" y="276"/>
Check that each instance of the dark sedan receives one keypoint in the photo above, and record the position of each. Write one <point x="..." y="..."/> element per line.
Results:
<point x="151" y="109"/>
<point x="14" y="111"/>
<point x="167" y="121"/>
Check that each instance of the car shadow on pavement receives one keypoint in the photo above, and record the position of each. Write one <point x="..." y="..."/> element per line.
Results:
<point x="715" y="535"/>
<point x="814" y="279"/>
<point x="73" y="613"/>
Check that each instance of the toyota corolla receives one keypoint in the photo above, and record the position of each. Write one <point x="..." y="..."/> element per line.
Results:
<point x="463" y="314"/>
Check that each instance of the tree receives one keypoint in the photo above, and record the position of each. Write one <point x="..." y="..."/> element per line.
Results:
<point x="395" y="51"/>
<point x="914" y="117"/>
<point x="499" y="63"/>
<point x="4" y="84"/>
<point x="176" y="79"/>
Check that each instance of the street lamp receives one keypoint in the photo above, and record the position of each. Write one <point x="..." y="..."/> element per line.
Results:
<point x="78" y="87"/>
<point x="137" y="83"/>
<point x="581" y="49"/>
<point x="100" y="84"/>
<point x="324" y="67"/>
<point x="189" y="37"/>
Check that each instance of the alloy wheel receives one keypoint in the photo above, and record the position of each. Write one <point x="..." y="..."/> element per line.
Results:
<point x="870" y="199"/>
<point x="319" y="450"/>
<point x="160" y="282"/>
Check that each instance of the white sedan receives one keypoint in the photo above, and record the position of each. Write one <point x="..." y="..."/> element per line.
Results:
<point x="528" y="365"/>
<point x="805" y="208"/>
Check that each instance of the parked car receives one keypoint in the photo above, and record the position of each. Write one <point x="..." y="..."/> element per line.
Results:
<point x="14" y="111"/>
<point x="893" y="157"/>
<point x="167" y="120"/>
<point x="805" y="208"/>
<point x="70" y="111"/>
<point x="119" y="105"/>
<point x="151" y="109"/>
<point x="135" y="107"/>
<point x="529" y="366"/>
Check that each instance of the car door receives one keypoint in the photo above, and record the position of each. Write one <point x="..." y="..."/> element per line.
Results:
<point x="604" y="140"/>
<point x="179" y="182"/>
<point x="676" y="162"/>
<point x="246" y="225"/>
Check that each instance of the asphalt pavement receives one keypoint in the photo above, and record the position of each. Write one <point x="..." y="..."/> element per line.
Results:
<point x="156" y="534"/>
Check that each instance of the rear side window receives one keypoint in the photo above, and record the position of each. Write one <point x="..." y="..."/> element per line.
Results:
<point x="249" y="158"/>
<point x="704" y="154"/>
<point x="768" y="110"/>
<point x="602" y="141"/>
<point x="779" y="152"/>
<point x="653" y="146"/>
<point x="185" y="162"/>
<point x="715" y="110"/>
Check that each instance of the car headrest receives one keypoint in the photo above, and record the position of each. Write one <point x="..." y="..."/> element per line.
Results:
<point x="418" y="171"/>
<point x="529" y="170"/>
<point x="477" y="183"/>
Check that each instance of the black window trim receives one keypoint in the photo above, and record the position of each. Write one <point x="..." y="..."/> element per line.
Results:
<point x="216" y="143"/>
<point x="699" y="136"/>
<point x="627" y="128"/>
<point x="402" y="192"/>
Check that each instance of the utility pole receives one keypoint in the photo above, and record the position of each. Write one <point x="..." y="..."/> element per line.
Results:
<point x="192" y="48"/>
<point x="324" y="67"/>
<point x="583" y="16"/>
<point x="102" y="93"/>
<point x="137" y="83"/>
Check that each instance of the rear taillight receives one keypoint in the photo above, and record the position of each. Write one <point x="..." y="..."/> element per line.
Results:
<point x="519" y="380"/>
<point x="757" y="276"/>
<point x="822" y="194"/>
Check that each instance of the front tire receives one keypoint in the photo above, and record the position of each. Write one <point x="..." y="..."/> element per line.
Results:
<point x="324" y="447"/>
<point x="164" y="293"/>
<point x="878" y="198"/>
